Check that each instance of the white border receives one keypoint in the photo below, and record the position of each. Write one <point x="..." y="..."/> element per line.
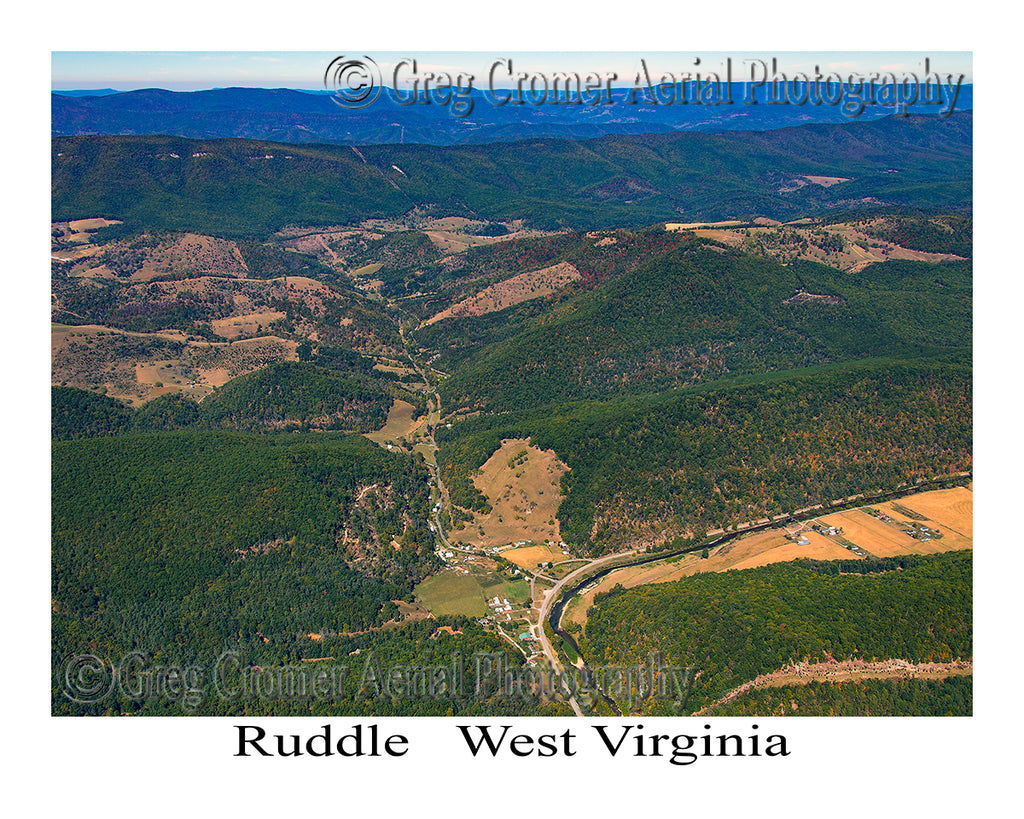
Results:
<point x="839" y="767"/>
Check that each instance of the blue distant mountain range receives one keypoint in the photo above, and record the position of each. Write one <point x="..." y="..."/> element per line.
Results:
<point x="473" y="117"/>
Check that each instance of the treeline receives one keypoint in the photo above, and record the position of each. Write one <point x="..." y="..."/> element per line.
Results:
<point x="944" y="234"/>
<point x="283" y="396"/>
<point x="697" y="314"/>
<point x="948" y="697"/>
<point x="735" y="625"/>
<point x="267" y="261"/>
<point x="694" y="461"/>
<point x="299" y="395"/>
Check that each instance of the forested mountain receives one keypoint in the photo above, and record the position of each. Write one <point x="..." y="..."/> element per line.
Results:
<point x="696" y="314"/>
<point x="692" y="461"/>
<point x="248" y="188"/>
<point x="284" y="396"/>
<point x="733" y="626"/>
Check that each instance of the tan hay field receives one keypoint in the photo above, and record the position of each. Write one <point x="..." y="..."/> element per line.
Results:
<point x="951" y="509"/>
<point x="457" y="242"/>
<point x="724" y="236"/>
<point x="524" y="497"/>
<point x="875" y="537"/>
<point x="83" y="225"/>
<point x="882" y="540"/>
<point x="826" y="181"/>
<point x="530" y="557"/>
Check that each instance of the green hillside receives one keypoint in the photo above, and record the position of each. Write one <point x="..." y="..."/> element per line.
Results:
<point x="698" y="314"/>
<point x="733" y="626"/>
<point x="248" y="188"/>
<point x="697" y="460"/>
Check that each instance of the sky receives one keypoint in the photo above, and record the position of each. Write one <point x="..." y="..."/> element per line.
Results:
<point x="198" y="70"/>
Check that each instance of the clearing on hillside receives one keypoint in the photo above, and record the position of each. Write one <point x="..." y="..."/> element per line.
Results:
<point x="522" y="484"/>
<point x="400" y="424"/>
<point x="530" y="285"/>
<point x="246" y="325"/>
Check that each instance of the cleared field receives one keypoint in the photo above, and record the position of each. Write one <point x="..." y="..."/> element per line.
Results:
<point x="880" y="539"/>
<point x="530" y="285"/>
<point x="530" y="557"/>
<point x="522" y="484"/>
<point x="399" y="424"/>
<point x="452" y="594"/>
<point x="85" y="225"/>
<point x="517" y="591"/>
<point x="691" y="225"/>
<point x="771" y="547"/>
<point x="759" y="549"/>
<point x="367" y="269"/>
<point x="428" y="453"/>
<point x="245" y="325"/>
<point x="951" y="509"/>
<point x="827" y="181"/>
<point x="452" y="242"/>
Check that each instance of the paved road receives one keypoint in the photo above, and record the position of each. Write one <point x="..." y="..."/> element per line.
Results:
<point x="551" y="596"/>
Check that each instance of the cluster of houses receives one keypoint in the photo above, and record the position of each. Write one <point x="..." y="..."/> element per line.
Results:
<point x="919" y="531"/>
<point x="501" y="606"/>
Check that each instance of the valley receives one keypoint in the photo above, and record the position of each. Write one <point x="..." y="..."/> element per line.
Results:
<point x="407" y="419"/>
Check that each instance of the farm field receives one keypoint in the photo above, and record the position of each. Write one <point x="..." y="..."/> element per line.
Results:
<point x="450" y="593"/>
<point x="950" y="510"/>
<point x="531" y="556"/>
<point x="945" y="507"/>
<point x="246" y="325"/>
<point x="517" y="591"/>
